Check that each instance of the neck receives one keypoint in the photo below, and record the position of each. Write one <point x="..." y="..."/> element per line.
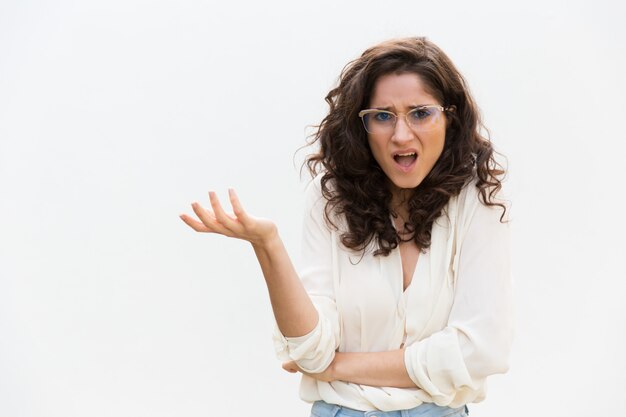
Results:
<point x="400" y="201"/>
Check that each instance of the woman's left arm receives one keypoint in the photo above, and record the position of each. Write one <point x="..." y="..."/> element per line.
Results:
<point x="377" y="369"/>
<point x="477" y="339"/>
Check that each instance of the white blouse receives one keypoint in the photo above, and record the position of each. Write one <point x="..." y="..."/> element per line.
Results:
<point x="456" y="315"/>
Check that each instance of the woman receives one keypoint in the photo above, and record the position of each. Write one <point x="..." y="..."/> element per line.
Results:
<point x="403" y="303"/>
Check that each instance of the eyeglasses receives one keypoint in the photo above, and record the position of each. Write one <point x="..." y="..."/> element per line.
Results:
<point x="420" y="119"/>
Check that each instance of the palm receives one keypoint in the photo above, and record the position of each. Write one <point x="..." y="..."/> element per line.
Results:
<point x="238" y="224"/>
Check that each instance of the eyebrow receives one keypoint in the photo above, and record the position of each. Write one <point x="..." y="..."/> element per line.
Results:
<point x="388" y="108"/>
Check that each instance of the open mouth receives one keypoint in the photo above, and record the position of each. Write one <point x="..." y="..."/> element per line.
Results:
<point x="405" y="159"/>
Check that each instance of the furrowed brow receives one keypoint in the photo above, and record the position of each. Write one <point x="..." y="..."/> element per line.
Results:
<point x="411" y="107"/>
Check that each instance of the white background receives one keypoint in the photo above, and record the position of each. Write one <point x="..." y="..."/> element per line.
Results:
<point x="116" y="115"/>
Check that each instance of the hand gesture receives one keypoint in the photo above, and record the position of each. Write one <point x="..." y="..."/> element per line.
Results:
<point x="238" y="224"/>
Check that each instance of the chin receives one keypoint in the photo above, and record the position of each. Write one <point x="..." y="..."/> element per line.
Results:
<point x="406" y="183"/>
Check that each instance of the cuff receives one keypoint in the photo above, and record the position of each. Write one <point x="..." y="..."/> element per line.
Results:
<point x="313" y="352"/>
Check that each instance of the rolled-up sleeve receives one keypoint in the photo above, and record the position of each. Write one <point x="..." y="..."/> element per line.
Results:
<point x="314" y="351"/>
<point x="477" y="340"/>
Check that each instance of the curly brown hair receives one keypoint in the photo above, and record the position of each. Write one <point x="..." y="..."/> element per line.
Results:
<point x="360" y="190"/>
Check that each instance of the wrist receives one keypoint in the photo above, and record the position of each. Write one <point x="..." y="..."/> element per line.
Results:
<point x="334" y="369"/>
<point x="267" y="243"/>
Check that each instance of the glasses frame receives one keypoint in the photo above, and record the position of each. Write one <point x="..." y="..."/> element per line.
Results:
<point x="365" y="112"/>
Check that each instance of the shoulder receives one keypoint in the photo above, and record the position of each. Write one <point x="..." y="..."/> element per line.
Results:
<point x="472" y="206"/>
<point x="316" y="200"/>
<point x="313" y="195"/>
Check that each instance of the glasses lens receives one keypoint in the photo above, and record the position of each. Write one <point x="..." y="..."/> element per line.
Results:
<point x="424" y="118"/>
<point x="379" y="121"/>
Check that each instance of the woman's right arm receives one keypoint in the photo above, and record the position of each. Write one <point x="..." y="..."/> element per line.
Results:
<point x="294" y="312"/>
<point x="301" y="334"/>
<point x="293" y="309"/>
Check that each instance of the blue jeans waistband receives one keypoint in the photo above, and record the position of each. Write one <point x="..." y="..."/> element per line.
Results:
<point x="324" y="409"/>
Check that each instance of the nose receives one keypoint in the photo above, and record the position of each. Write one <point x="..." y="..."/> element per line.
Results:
<point x="402" y="131"/>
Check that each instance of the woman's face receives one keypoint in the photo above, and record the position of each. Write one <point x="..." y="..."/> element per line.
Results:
<point x="399" y="94"/>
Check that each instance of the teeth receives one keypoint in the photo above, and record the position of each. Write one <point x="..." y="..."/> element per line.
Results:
<point x="405" y="154"/>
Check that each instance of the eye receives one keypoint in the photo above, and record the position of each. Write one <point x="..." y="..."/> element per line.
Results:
<point x="421" y="114"/>
<point x="382" y="116"/>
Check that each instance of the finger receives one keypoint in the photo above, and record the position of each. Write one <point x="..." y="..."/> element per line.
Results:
<point x="295" y="366"/>
<point x="194" y="224"/>
<point x="206" y="216"/>
<point x="237" y="207"/>
<point x="208" y="219"/>
<point x="220" y="214"/>
<point x="290" y="367"/>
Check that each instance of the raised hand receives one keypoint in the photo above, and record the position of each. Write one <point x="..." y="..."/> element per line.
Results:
<point x="294" y="312"/>
<point x="238" y="224"/>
